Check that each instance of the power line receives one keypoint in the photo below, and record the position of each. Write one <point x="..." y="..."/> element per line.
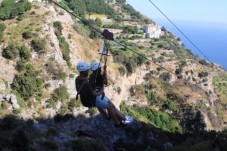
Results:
<point x="139" y="54"/>
<point x="179" y="30"/>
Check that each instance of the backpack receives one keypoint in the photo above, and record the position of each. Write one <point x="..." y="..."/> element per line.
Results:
<point x="85" y="103"/>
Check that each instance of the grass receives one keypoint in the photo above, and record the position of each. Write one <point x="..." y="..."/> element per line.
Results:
<point x="15" y="28"/>
<point x="101" y="16"/>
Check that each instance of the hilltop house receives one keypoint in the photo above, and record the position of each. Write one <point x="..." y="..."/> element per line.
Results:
<point x="152" y="31"/>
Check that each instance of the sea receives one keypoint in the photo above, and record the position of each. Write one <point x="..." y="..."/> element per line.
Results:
<point x="210" y="38"/>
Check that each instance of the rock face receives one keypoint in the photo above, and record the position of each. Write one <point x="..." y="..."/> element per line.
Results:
<point x="11" y="98"/>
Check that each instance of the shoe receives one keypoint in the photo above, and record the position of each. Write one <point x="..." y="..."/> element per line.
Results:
<point x="128" y="120"/>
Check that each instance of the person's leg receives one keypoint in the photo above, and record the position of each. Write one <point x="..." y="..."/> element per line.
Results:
<point x="112" y="113"/>
<point x="106" y="104"/>
<point x="104" y="112"/>
<point x="119" y="115"/>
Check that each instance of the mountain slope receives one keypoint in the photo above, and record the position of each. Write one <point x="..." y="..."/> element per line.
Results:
<point x="40" y="50"/>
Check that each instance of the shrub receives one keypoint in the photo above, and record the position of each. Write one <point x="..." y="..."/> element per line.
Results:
<point x="60" y="75"/>
<point x="38" y="45"/>
<point x="74" y="103"/>
<point x="203" y="74"/>
<point x="21" y="65"/>
<point x="10" y="52"/>
<point x="60" y="94"/>
<point x="166" y="76"/>
<point x="56" y="71"/>
<point x="122" y="71"/>
<point x="25" y="53"/>
<point x="27" y="34"/>
<point x="26" y="83"/>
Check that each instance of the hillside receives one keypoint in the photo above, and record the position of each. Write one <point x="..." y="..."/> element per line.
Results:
<point x="178" y="100"/>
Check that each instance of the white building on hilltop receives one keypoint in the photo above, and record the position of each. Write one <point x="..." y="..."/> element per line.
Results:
<point x="152" y="31"/>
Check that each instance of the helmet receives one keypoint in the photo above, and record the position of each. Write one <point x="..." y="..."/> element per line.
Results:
<point x="83" y="66"/>
<point x="95" y="65"/>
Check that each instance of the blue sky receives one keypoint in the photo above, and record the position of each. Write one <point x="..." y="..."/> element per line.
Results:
<point x="214" y="11"/>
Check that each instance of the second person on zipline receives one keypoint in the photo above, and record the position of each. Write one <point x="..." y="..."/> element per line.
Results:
<point x="98" y="80"/>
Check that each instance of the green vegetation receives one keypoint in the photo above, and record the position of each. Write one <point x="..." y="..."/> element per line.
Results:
<point x="62" y="42"/>
<point x="2" y="28"/>
<point x="134" y="14"/>
<point x="27" y="34"/>
<point x="158" y="118"/>
<point x="128" y="59"/>
<point x="73" y="103"/>
<point x="203" y="74"/>
<point x="12" y="128"/>
<point x="81" y="7"/>
<point x="38" y="45"/>
<point x="166" y="76"/>
<point x="55" y="71"/>
<point x="10" y="8"/>
<point x="13" y="51"/>
<point x="27" y="83"/>
<point x="10" y="52"/>
<point x="169" y="42"/>
<point x="60" y="94"/>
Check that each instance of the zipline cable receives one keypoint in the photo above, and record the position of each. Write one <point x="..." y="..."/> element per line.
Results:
<point x="139" y="54"/>
<point x="179" y="30"/>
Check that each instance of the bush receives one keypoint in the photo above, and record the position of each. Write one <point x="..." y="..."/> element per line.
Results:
<point x="203" y="74"/>
<point x="56" y="71"/>
<point x="26" y="84"/>
<point x="25" y="53"/>
<point x="21" y="65"/>
<point x="74" y="103"/>
<point x="38" y="45"/>
<point x="27" y="34"/>
<point x="10" y="52"/>
<point x="122" y="71"/>
<point x="166" y="76"/>
<point x="60" y="94"/>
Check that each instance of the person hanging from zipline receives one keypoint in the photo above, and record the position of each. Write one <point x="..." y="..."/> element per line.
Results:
<point x="98" y="80"/>
<point x="90" y="98"/>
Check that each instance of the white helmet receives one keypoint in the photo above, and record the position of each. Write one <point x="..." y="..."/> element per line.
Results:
<point x="83" y="66"/>
<point x="95" y="65"/>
